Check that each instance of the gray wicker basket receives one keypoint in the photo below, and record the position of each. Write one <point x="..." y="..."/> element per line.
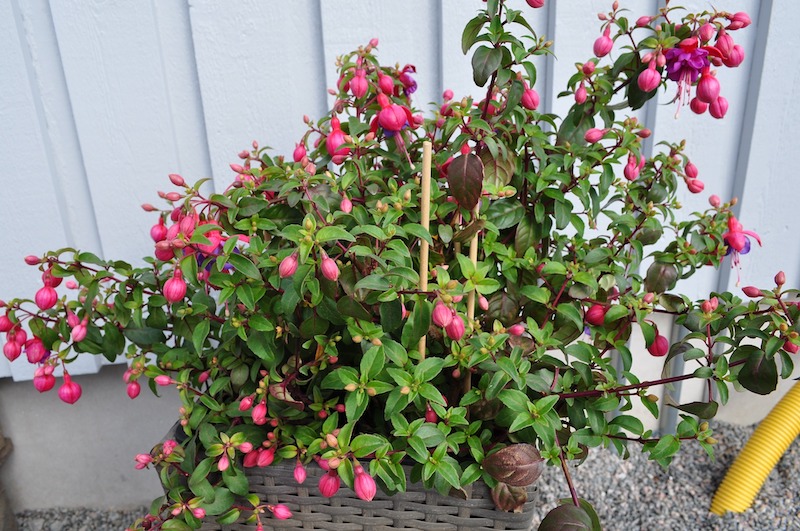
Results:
<point x="418" y="508"/>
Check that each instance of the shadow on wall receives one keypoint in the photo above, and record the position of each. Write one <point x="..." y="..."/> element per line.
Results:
<point x="81" y="455"/>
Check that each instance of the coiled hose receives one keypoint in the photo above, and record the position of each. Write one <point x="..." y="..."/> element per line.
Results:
<point x="759" y="456"/>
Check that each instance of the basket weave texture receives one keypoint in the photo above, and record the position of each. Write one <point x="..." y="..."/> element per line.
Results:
<point x="417" y="508"/>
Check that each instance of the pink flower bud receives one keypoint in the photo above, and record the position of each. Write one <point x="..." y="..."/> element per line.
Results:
<point x="69" y="391"/>
<point x="300" y="473"/>
<point x="147" y="207"/>
<point x="741" y="20"/>
<point x="35" y="350"/>
<point x="604" y="44"/>
<point x="724" y="43"/>
<point x="246" y="403"/>
<point x="697" y="106"/>
<point x="299" y="152"/>
<point x="695" y="185"/>
<point x="46" y="298"/>
<point x="79" y="333"/>
<point x="280" y="511"/>
<point x="259" y="413"/>
<point x="223" y="463"/>
<point x="442" y="316"/>
<point x="250" y="459"/>
<point x="364" y="486"/>
<point x="517" y="329"/>
<point x="714" y="201"/>
<point x="596" y="314"/>
<point x="133" y="389"/>
<point x="158" y="232"/>
<point x="288" y="266"/>
<point x="246" y="447"/>
<point x="175" y="288"/>
<point x="430" y="415"/>
<point x="483" y="303"/>
<point x="447" y="95"/>
<point x="329" y="268"/>
<point x="346" y="205"/>
<point x="735" y="58"/>
<point x="580" y="94"/>
<point x="455" y="330"/>
<point x="385" y="83"/>
<point x="790" y="347"/>
<point x="780" y="278"/>
<point x="530" y="99"/>
<point x="649" y="79"/>
<point x="142" y="460"/>
<point x="718" y="108"/>
<point x="707" y="88"/>
<point x="173" y="196"/>
<point x="199" y="513"/>
<point x="163" y="380"/>
<point x="751" y="291"/>
<point x="329" y="484"/>
<point x="12" y="350"/>
<point x="642" y="21"/>
<point x="588" y="68"/>
<point x="594" y="135"/>
<point x="32" y="260"/>
<point x="266" y="456"/>
<point x="43" y="380"/>
<point x="359" y="84"/>
<point x="649" y="297"/>
<point x="706" y="307"/>
<point x="20" y="337"/>
<point x="535" y="3"/>
<point x="691" y="170"/>
<point x="5" y="323"/>
<point x="238" y="168"/>
<point x="660" y="346"/>
<point x="176" y="179"/>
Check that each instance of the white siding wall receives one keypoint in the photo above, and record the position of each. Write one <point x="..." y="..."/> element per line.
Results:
<point x="100" y="100"/>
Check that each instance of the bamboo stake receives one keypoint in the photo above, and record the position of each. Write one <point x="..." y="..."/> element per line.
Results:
<point x="425" y="221"/>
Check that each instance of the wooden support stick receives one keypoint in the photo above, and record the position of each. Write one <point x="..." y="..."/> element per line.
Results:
<point x="425" y="221"/>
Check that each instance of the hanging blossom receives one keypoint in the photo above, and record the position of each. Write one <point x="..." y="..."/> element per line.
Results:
<point x="738" y="242"/>
<point x="684" y="65"/>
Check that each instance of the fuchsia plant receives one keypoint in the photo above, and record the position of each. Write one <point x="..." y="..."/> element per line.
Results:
<point x="288" y="313"/>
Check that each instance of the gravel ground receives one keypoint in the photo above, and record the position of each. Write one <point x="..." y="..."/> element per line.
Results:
<point x="628" y="495"/>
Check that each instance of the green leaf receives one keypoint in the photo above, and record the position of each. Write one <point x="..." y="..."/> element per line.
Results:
<point x="759" y="374"/>
<point x="471" y="31"/>
<point x="333" y="233"/>
<point x="366" y="444"/>
<point x="415" y="229"/>
<point x="629" y="423"/>
<point x="615" y="313"/>
<point x="199" y="334"/>
<point x="505" y="213"/>
<point x="465" y="179"/>
<point x="570" y="312"/>
<point x="144" y="337"/>
<point x="485" y="62"/>
<point x="665" y="448"/>
<point x="244" y="266"/>
<point x="223" y="499"/>
<point x="702" y="410"/>
<point x="536" y="294"/>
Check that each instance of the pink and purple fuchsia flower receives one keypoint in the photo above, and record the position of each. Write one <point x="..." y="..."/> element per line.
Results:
<point x="737" y="241"/>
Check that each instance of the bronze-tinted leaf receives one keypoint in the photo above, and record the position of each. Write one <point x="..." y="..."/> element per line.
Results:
<point x="280" y="392"/>
<point x="465" y="178"/>
<point x="519" y="465"/>
<point x="508" y="498"/>
<point x="660" y="277"/>
<point x="566" y="517"/>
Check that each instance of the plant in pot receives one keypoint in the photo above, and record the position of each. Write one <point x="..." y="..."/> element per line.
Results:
<point x="436" y="304"/>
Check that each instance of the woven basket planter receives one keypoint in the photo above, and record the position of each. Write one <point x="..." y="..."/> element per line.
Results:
<point x="417" y="508"/>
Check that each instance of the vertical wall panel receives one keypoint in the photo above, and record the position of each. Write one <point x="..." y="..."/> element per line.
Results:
<point x="260" y="70"/>
<point x="112" y="61"/>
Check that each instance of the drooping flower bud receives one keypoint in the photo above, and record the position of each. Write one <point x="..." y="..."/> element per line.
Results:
<point x="790" y="347"/>
<point x="142" y="460"/>
<point x="588" y="68"/>
<point x="739" y="20"/>
<point x="223" y="463"/>
<point x="329" y="268"/>
<point x="346" y="205"/>
<point x="594" y="135"/>
<point x="642" y="21"/>
<point x="35" y="350"/>
<point x="708" y="88"/>
<point x="288" y="266"/>
<point x="175" y="288"/>
<point x="158" y="231"/>
<point x="719" y="108"/>
<point x="43" y="379"/>
<point x="329" y="484"/>
<point x="364" y="486"/>
<point x="280" y="511"/>
<point x="266" y="456"/>
<point x="580" y="94"/>
<point x="334" y="140"/>
<point x="535" y="3"/>
<point x="530" y="99"/>
<point x="46" y="298"/>
<point x="359" y="84"/>
<point x="483" y="303"/>
<point x="69" y="391"/>
<point x="596" y="314"/>
<point x="441" y="315"/>
<point x="392" y="117"/>
<point x="455" y="330"/>
<point x="246" y="403"/>
<point x="79" y="332"/>
<point x="12" y="350"/>
<point x="649" y="79"/>
<point x="660" y="346"/>
<point x="385" y="83"/>
<point x="751" y="291"/>
<point x="250" y="460"/>
<point x="430" y="415"/>
<point x="133" y="389"/>
<point x="706" y="32"/>
<point x="299" y="152"/>
<point x="691" y="170"/>
<point x="5" y="323"/>
<point x="259" y="413"/>
<point x="603" y="44"/>
<point x="300" y="473"/>
<point x="517" y="329"/>
<point x="697" y="106"/>
<point x="735" y="58"/>
<point x="695" y="185"/>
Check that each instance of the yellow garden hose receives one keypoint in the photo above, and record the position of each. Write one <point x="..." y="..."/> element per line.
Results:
<point x="760" y="455"/>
